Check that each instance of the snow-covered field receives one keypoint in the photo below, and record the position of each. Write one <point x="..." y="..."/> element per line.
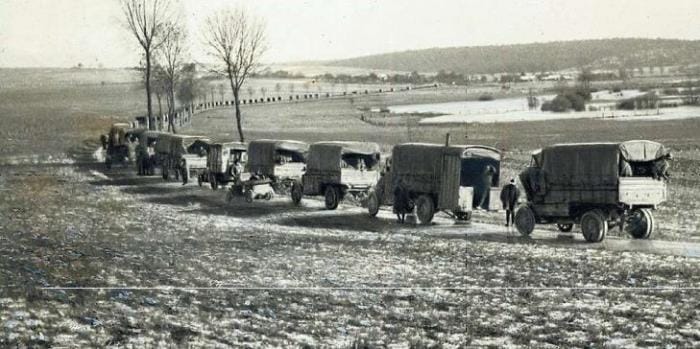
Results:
<point x="537" y="115"/>
<point x="166" y="265"/>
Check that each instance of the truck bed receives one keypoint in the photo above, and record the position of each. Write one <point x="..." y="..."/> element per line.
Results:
<point x="641" y="191"/>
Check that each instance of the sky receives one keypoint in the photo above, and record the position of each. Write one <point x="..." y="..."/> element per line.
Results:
<point x="63" y="33"/>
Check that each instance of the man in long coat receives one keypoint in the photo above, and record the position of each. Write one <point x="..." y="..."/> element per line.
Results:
<point x="509" y="197"/>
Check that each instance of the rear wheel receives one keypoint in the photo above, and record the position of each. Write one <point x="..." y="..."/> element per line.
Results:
<point x="297" y="193"/>
<point x="425" y="209"/>
<point x="641" y="224"/>
<point x="373" y="204"/>
<point x="565" y="227"/>
<point x="594" y="226"/>
<point x="524" y="220"/>
<point x="332" y="197"/>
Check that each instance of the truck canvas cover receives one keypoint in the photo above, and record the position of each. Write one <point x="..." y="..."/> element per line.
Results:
<point x="325" y="156"/>
<point x="594" y="164"/>
<point x="261" y="153"/>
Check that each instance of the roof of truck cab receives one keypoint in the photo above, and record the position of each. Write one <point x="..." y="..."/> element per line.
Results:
<point x="284" y="144"/>
<point x="633" y="150"/>
<point x="348" y="147"/>
<point x="478" y="150"/>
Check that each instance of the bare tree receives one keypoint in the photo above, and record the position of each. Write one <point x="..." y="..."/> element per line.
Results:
<point x="237" y="40"/>
<point x="159" y="88"/>
<point x="172" y="55"/>
<point x="145" y="20"/>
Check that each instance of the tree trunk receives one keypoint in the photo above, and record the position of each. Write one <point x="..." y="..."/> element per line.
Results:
<point x="151" y="122"/>
<point x="171" y="112"/>
<point x="238" y="115"/>
<point x="160" y="109"/>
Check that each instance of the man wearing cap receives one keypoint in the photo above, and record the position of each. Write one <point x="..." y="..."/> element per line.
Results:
<point x="509" y="197"/>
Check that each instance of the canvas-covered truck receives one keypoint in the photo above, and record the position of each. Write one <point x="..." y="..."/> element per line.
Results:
<point x="338" y="169"/>
<point x="273" y="167"/>
<point x="437" y="178"/>
<point x="116" y="144"/>
<point x="225" y="163"/>
<point x="594" y="185"/>
<point x="193" y="163"/>
<point x="179" y="153"/>
<point x="144" y="155"/>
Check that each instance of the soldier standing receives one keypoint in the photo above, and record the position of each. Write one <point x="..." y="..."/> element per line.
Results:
<point x="509" y="197"/>
<point x="482" y="189"/>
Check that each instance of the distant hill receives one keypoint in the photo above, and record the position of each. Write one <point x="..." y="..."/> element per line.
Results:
<point x="537" y="57"/>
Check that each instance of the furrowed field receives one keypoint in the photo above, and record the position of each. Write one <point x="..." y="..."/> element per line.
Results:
<point x="167" y="265"/>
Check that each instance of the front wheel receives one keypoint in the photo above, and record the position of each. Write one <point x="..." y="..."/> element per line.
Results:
<point x="297" y="193"/>
<point x="641" y="224"/>
<point x="565" y="227"/>
<point x="594" y="226"/>
<point x="332" y="198"/>
<point x="373" y="204"/>
<point x="524" y="220"/>
<point x="425" y="209"/>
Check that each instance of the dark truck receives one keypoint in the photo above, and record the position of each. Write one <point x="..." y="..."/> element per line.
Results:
<point x="594" y="185"/>
<point x="438" y="178"/>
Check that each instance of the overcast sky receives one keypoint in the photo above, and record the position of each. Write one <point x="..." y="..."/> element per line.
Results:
<point x="61" y="33"/>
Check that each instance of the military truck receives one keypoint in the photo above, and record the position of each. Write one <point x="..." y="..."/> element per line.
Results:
<point x="594" y="185"/>
<point x="273" y="167"/>
<point x="173" y="152"/>
<point x="338" y="169"/>
<point x="437" y="178"/>
<point x="225" y="163"/>
<point x="116" y="144"/>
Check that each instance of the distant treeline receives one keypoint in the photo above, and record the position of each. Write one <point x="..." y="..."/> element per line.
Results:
<point x="554" y="56"/>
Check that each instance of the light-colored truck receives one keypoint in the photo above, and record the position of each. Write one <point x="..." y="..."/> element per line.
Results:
<point x="338" y="169"/>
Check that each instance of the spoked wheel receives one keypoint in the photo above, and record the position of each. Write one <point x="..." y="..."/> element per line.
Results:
<point x="373" y="204"/>
<point x="332" y="197"/>
<point x="524" y="220"/>
<point x="640" y="224"/>
<point x="565" y="227"/>
<point x="267" y="196"/>
<point x="594" y="226"/>
<point x="297" y="193"/>
<point x="425" y="209"/>
<point x="213" y="182"/>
